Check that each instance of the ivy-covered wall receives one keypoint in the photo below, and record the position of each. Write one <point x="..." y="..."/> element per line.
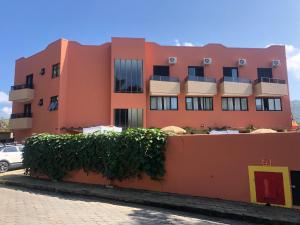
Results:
<point x="117" y="156"/>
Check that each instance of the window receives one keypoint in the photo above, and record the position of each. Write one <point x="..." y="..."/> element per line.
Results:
<point x="199" y="103"/>
<point x="163" y="103"/>
<point x="55" y="70"/>
<point x="128" y="76"/>
<point x="53" y="103"/>
<point x="27" y="110"/>
<point x="10" y="149"/>
<point x="268" y="104"/>
<point x="43" y="71"/>
<point x="196" y="71"/>
<point x="29" y="81"/>
<point x="231" y="72"/>
<point x="234" y="104"/>
<point x="129" y="118"/>
<point x="161" y="70"/>
<point x="41" y="102"/>
<point x="264" y="73"/>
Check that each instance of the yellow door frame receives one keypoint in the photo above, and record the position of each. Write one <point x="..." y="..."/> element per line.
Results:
<point x="286" y="182"/>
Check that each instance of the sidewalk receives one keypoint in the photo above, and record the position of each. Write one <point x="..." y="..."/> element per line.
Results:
<point x="206" y="206"/>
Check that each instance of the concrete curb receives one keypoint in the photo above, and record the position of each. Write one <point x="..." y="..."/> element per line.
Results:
<point x="185" y="208"/>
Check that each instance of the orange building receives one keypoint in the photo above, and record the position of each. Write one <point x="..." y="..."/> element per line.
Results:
<point x="129" y="82"/>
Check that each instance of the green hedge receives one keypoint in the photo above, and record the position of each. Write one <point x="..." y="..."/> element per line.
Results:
<point x="115" y="155"/>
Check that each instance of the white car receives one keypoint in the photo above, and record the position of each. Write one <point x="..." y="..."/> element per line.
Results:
<point x="10" y="157"/>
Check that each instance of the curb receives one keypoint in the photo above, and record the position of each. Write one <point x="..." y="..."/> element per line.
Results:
<point x="184" y="208"/>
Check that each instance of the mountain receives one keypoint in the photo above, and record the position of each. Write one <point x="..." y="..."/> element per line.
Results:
<point x="296" y="109"/>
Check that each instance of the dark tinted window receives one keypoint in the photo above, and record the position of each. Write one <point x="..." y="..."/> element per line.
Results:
<point x="29" y="81"/>
<point x="56" y="70"/>
<point x="129" y="118"/>
<point x="41" y="102"/>
<point x="264" y="72"/>
<point x="161" y="70"/>
<point x="230" y="72"/>
<point x="53" y="103"/>
<point x="27" y="109"/>
<point x="196" y="71"/>
<point x="128" y="76"/>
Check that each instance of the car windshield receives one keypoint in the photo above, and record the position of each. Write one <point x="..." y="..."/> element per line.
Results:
<point x="1" y="148"/>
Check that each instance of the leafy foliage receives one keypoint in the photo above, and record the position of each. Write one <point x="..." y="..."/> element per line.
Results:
<point x="4" y="125"/>
<point x="115" y="155"/>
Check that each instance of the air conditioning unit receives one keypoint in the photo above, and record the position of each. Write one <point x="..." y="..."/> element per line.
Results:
<point x="172" y="60"/>
<point x="242" y="62"/>
<point x="275" y="63"/>
<point x="207" y="61"/>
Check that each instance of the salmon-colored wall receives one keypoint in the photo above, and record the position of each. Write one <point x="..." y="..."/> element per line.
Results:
<point x="86" y="85"/>
<point x="86" y="91"/>
<point x="222" y="57"/>
<point x="212" y="165"/>
<point x="44" y="87"/>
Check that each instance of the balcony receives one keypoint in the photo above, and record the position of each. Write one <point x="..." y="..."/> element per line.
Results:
<point x="230" y="86"/>
<point x="21" y="93"/>
<point x="200" y="86"/>
<point x="164" y="86"/>
<point x="270" y="87"/>
<point x="20" y="121"/>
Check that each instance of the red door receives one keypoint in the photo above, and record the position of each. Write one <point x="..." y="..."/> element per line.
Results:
<point x="269" y="187"/>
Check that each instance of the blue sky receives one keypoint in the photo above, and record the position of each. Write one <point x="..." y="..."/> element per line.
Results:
<point x="28" y="26"/>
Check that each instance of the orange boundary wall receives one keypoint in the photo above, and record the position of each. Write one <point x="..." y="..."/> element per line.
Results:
<point x="213" y="165"/>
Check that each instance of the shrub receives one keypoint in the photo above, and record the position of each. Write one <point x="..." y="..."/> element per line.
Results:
<point x="115" y="155"/>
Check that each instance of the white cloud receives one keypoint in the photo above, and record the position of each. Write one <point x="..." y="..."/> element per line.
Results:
<point x="293" y="60"/>
<point x="187" y="43"/>
<point x="6" y="110"/>
<point x="177" y="43"/>
<point x="4" y="98"/>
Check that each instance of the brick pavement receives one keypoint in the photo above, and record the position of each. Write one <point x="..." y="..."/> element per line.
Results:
<point x="23" y="206"/>
<point x="204" y="206"/>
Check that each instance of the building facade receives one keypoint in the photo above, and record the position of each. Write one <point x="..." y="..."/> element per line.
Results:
<point x="129" y="82"/>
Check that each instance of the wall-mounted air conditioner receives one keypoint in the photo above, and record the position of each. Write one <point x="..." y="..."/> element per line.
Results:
<point x="207" y="61"/>
<point x="275" y="63"/>
<point x="172" y="60"/>
<point x="242" y="62"/>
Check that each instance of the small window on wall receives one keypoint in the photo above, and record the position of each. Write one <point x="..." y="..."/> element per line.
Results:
<point x="234" y="104"/>
<point x="42" y="71"/>
<point x="128" y="118"/>
<point x="163" y="103"/>
<point x="268" y="104"/>
<point x="55" y="70"/>
<point x="53" y="103"/>
<point x="199" y="103"/>
<point x="41" y="102"/>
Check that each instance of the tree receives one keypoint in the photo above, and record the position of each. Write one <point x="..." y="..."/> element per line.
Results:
<point x="4" y="124"/>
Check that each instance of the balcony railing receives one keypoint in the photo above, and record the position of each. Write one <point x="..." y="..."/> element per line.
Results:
<point x="165" y="78"/>
<point x="235" y="79"/>
<point x="201" y="79"/>
<point x="20" y="115"/>
<point x="21" y="86"/>
<point x="269" y="80"/>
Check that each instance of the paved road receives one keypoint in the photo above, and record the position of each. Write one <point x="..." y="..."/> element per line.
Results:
<point x="23" y="206"/>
